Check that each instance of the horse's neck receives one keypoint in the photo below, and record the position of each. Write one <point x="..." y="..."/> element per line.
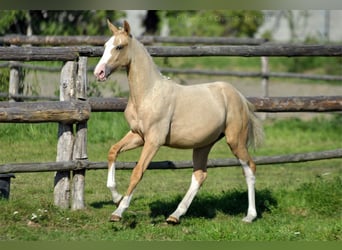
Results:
<point x="142" y="73"/>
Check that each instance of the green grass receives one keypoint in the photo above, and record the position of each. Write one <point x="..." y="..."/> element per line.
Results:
<point x="295" y="202"/>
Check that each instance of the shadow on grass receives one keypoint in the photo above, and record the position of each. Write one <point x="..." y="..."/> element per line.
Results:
<point x="233" y="202"/>
<point x="101" y="204"/>
<point x="206" y="205"/>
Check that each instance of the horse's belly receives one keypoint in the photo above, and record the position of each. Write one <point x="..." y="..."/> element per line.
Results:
<point x="194" y="136"/>
<point x="198" y="122"/>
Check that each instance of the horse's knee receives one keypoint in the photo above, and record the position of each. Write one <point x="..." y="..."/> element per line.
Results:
<point x="248" y="170"/>
<point x="252" y="166"/>
<point x="112" y="153"/>
<point x="239" y="149"/>
<point x="200" y="176"/>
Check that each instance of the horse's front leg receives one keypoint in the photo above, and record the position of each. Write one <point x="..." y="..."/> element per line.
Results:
<point x="148" y="152"/>
<point x="129" y="141"/>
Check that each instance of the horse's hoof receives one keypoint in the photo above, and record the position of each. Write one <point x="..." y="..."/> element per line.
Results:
<point x="114" y="218"/>
<point x="172" y="220"/>
<point x="248" y="219"/>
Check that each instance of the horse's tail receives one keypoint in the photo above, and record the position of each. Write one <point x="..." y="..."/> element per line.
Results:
<point x="255" y="128"/>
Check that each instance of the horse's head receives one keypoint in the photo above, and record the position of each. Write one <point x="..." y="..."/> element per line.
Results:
<point x="116" y="53"/>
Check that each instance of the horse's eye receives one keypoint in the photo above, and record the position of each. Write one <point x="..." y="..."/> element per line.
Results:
<point x="119" y="47"/>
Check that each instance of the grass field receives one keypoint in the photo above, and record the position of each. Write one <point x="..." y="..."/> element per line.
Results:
<point x="294" y="201"/>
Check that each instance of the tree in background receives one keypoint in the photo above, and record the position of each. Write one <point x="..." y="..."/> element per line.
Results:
<point x="213" y="22"/>
<point x="46" y="22"/>
<point x="50" y="22"/>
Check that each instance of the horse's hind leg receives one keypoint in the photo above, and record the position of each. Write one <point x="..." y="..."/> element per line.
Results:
<point x="129" y="141"/>
<point x="200" y="158"/>
<point x="237" y="141"/>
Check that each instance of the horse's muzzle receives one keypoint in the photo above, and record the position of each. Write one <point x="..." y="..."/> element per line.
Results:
<point x="102" y="72"/>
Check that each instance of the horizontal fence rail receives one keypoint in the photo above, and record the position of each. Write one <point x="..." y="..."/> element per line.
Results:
<point x="261" y="104"/>
<point x="73" y="53"/>
<point x="19" y="97"/>
<point x="212" y="163"/>
<point x="34" y="112"/>
<point x="246" y="51"/>
<point x="297" y="104"/>
<point x="100" y="40"/>
<point x="78" y="111"/>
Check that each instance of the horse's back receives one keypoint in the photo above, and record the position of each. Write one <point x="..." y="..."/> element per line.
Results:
<point x="216" y="95"/>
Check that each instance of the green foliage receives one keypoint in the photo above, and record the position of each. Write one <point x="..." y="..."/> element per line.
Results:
<point x="10" y="21"/>
<point x="324" y="65"/>
<point x="50" y="22"/>
<point x="4" y="82"/>
<point x="213" y="22"/>
<point x="72" y="22"/>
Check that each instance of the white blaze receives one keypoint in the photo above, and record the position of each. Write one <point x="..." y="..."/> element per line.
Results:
<point x="109" y="45"/>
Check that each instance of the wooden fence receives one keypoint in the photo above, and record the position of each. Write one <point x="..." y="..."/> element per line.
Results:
<point x="74" y="109"/>
<point x="100" y="40"/>
<point x="73" y="53"/>
<point x="264" y="74"/>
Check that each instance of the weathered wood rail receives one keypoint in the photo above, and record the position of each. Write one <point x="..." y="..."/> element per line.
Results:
<point x="262" y="104"/>
<point x="34" y="112"/>
<point x="72" y="53"/>
<point x="212" y="163"/>
<point x="100" y="40"/>
<point x="297" y="104"/>
<point x="247" y="51"/>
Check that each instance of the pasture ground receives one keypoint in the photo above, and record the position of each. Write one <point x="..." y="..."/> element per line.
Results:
<point x="296" y="202"/>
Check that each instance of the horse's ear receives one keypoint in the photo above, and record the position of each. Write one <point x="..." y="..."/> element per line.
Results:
<point x="127" y="28"/>
<point x="112" y="27"/>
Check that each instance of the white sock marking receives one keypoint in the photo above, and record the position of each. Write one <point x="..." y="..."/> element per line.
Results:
<point x="250" y="179"/>
<point x="112" y="185"/>
<point x="124" y="204"/>
<point x="189" y="196"/>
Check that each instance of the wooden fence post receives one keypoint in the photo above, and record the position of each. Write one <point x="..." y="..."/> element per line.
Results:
<point x="80" y="145"/>
<point x="264" y="80"/>
<point x="264" y="75"/>
<point x="14" y="81"/>
<point x="65" y="137"/>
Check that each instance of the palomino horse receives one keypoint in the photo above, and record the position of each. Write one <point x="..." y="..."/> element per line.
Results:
<point x="162" y="112"/>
